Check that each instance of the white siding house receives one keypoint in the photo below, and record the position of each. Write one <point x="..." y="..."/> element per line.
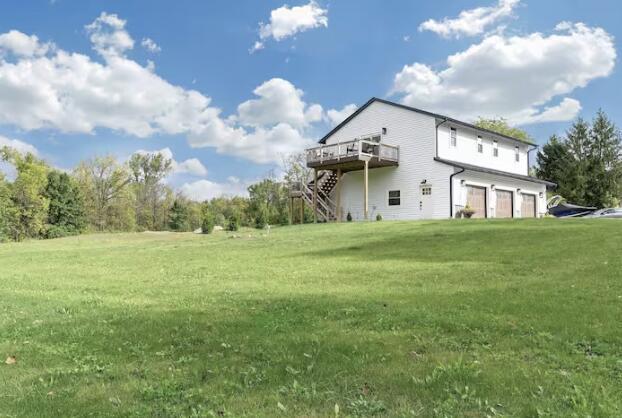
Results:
<point x="421" y="165"/>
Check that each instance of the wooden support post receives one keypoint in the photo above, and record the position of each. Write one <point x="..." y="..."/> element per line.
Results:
<point x="366" y="194"/>
<point x="291" y="210"/>
<point x="315" y="195"/>
<point x="338" y="191"/>
<point x="302" y="211"/>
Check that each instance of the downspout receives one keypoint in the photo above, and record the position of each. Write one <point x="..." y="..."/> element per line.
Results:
<point x="451" y="192"/>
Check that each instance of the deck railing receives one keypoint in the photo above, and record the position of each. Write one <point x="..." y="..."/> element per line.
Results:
<point x="354" y="149"/>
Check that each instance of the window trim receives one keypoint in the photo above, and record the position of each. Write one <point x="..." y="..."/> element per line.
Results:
<point x="480" y="144"/>
<point x="453" y="137"/>
<point x="517" y="154"/>
<point x="495" y="148"/>
<point x="394" y="198"/>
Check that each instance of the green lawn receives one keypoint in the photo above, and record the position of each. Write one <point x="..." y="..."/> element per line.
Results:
<point x="448" y="318"/>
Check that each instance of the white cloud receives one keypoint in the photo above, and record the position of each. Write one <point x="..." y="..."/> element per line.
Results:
<point x="205" y="189"/>
<point x="512" y="77"/>
<point x="150" y="45"/>
<point x="73" y="93"/>
<point x="287" y="21"/>
<point x="108" y="35"/>
<point x="279" y="102"/>
<point x="470" y="22"/>
<point x="22" y="45"/>
<point x="190" y="166"/>
<point x="335" y="116"/>
<point x="20" y="146"/>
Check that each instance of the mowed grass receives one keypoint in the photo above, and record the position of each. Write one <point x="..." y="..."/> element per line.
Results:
<point x="448" y="318"/>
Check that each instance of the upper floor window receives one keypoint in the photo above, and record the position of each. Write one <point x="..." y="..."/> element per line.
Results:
<point x="480" y="145"/>
<point x="495" y="148"/>
<point x="517" y="154"/>
<point x="453" y="137"/>
<point x="426" y="190"/>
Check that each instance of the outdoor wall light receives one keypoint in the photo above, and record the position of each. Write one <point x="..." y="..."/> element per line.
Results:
<point x="424" y="181"/>
<point x="384" y="131"/>
<point x="492" y="187"/>
<point x="518" y="191"/>
<point x="462" y="182"/>
<point x="541" y="195"/>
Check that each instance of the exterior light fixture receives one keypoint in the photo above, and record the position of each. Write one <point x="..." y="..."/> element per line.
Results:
<point x="424" y="181"/>
<point x="541" y="195"/>
<point x="492" y="187"/>
<point x="384" y="131"/>
<point x="519" y="191"/>
<point x="462" y="182"/>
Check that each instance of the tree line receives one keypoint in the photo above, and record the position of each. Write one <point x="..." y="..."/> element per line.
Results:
<point x="585" y="163"/>
<point x="104" y="195"/>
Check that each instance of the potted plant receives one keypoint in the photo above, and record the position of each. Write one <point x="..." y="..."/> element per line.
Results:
<point x="378" y="217"/>
<point x="468" y="211"/>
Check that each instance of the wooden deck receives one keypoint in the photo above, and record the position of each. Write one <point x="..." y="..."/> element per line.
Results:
<point x="352" y="155"/>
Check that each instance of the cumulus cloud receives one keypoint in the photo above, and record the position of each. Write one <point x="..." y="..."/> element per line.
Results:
<point x="49" y="88"/>
<point x="190" y="166"/>
<point x="512" y="77"/>
<point x="335" y="116"/>
<point x="287" y="21"/>
<point x="20" y="146"/>
<point x="279" y="101"/>
<point x="150" y="45"/>
<point x="108" y="35"/>
<point x="201" y="190"/>
<point x="22" y="45"/>
<point x="470" y="22"/>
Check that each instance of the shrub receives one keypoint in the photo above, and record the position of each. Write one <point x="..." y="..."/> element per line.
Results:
<point x="233" y="224"/>
<point x="468" y="211"/>
<point x="207" y="223"/>
<point x="56" y="231"/>
<point x="349" y="217"/>
<point x="220" y="220"/>
<point x="262" y="219"/>
<point x="379" y="217"/>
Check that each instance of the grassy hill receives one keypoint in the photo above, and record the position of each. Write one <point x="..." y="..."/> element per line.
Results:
<point x="511" y="318"/>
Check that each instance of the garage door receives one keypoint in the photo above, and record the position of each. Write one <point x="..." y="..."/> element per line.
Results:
<point x="476" y="199"/>
<point x="528" y="207"/>
<point x="505" y="204"/>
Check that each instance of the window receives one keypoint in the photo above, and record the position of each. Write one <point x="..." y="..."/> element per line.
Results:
<point x="394" y="197"/>
<point x="517" y="154"/>
<point x="495" y="148"/>
<point x="480" y="146"/>
<point x="453" y="137"/>
<point x="426" y="190"/>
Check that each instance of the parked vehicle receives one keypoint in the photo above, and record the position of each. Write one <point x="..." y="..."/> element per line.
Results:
<point x="561" y="209"/>
<point x="606" y="213"/>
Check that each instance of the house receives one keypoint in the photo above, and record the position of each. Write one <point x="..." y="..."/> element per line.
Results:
<point x="406" y="163"/>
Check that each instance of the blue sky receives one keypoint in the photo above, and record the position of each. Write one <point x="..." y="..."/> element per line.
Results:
<point x="225" y="113"/>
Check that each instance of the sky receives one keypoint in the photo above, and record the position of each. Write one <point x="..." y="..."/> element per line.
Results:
<point x="226" y="89"/>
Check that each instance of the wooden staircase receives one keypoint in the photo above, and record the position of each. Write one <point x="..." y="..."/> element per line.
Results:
<point x="326" y="208"/>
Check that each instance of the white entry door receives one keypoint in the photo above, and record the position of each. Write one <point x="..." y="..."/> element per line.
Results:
<point x="425" y="201"/>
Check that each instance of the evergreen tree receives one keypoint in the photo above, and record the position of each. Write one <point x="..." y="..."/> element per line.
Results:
<point x="603" y="163"/>
<point x="178" y="218"/>
<point x="66" y="214"/>
<point x="574" y="183"/>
